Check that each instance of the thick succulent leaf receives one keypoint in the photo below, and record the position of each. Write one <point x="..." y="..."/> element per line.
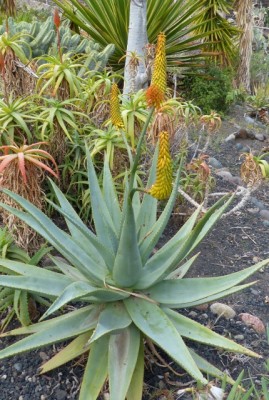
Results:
<point x="148" y="242"/>
<point x="86" y="239"/>
<point x="122" y="358"/>
<point x="110" y="196"/>
<point x="111" y="319"/>
<point x="32" y="270"/>
<point x="176" y="292"/>
<point x="41" y="285"/>
<point x="128" y="266"/>
<point x="190" y="329"/>
<point x="166" y="259"/>
<point x="73" y="273"/>
<point x="42" y="326"/>
<point x="181" y="271"/>
<point x="155" y="324"/>
<point x="56" y="237"/>
<point x="75" y="291"/>
<point x="208" y="368"/>
<point x="76" y="226"/>
<point x="68" y="353"/>
<point x="96" y="370"/>
<point x="148" y="210"/>
<point x="59" y="330"/>
<point x="205" y="225"/>
<point x="136" y="203"/>
<point x="103" y="223"/>
<point x="217" y="296"/>
<point x="135" y="390"/>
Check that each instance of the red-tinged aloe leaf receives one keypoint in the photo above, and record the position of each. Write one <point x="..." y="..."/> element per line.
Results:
<point x="34" y="145"/>
<point x="7" y="159"/>
<point x="42" y="165"/>
<point x="21" y="162"/>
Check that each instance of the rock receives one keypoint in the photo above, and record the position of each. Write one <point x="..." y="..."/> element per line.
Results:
<point x="257" y="203"/>
<point x="18" y="366"/>
<point x="230" y="137"/>
<point x="260" y="136"/>
<point x="265" y="223"/>
<point x="264" y="214"/>
<point x="244" y="134"/>
<point x="239" y="146"/>
<point x="213" y="162"/>
<point x="239" y="337"/>
<point x="226" y="175"/>
<point x="253" y="210"/>
<point x="254" y="322"/>
<point x="245" y="149"/>
<point x="193" y="314"/>
<point x="60" y="394"/>
<point x="222" y="310"/>
<point x="236" y="180"/>
<point x="43" y="356"/>
<point x="201" y="307"/>
<point x="204" y="316"/>
<point x="254" y="291"/>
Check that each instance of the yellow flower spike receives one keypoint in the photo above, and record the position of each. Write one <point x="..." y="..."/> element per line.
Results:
<point x="156" y="92"/>
<point x="115" y="114"/>
<point x="162" y="188"/>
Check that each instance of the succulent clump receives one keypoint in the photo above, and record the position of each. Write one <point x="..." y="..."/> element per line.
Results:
<point x="162" y="188"/>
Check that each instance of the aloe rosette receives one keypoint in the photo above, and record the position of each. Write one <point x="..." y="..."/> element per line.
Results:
<point x="132" y="292"/>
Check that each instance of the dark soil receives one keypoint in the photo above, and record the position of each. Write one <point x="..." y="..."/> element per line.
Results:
<point x="236" y="242"/>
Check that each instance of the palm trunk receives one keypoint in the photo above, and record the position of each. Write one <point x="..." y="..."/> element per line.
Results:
<point x="244" y="21"/>
<point x="134" y="78"/>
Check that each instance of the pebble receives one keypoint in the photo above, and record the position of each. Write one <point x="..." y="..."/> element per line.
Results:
<point x="257" y="203"/>
<point x="239" y="337"/>
<point x="239" y="146"/>
<point x="43" y="356"/>
<point x="254" y="291"/>
<point x="222" y="310"/>
<point x="245" y="149"/>
<point x="193" y="314"/>
<point x="265" y="223"/>
<point x="230" y="137"/>
<point x="18" y="366"/>
<point x="260" y="137"/>
<point x="226" y="175"/>
<point x="214" y="163"/>
<point x="204" y="316"/>
<point x="264" y="214"/>
<point x="253" y="322"/>
<point x="60" y="394"/>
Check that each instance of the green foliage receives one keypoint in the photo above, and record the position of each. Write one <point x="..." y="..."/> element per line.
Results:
<point x="12" y="301"/>
<point x="220" y="34"/>
<point x="40" y="39"/>
<point x="209" y="88"/>
<point x="15" y="119"/>
<point x="107" y="22"/>
<point x="129" y="292"/>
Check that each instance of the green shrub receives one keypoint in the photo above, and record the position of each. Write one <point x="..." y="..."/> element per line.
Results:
<point x="209" y="88"/>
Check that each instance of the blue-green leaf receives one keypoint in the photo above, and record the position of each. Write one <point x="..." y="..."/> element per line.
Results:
<point x="128" y="266"/>
<point x="122" y="357"/>
<point x="155" y="324"/>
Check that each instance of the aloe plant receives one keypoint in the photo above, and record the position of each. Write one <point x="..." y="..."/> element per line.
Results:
<point x="129" y="292"/>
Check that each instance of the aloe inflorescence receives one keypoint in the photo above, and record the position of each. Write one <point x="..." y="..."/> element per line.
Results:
<point x="115" y="114"/>
<point x="162" y="188"/>
<point x="156" y="92"/>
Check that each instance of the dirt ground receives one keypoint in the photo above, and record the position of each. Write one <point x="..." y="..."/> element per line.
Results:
<point x="236" y="242"/>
